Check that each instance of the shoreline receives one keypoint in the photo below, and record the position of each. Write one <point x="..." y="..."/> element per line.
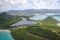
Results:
<point x="7" y="30"/>
<point x="58" y="24"/>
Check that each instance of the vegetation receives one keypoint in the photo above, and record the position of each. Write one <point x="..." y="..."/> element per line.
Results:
<point x="6" y="20"/>
<point x="51" y="20"/>
<point x="22" y="34"/>
<point x="46" y="33"/>
<point x="45" y="29"/>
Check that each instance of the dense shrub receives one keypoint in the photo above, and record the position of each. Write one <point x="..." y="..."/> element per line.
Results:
<point x="47" y="33"/>
<point x="21" y="34"/>
<point x="6" y="20"/>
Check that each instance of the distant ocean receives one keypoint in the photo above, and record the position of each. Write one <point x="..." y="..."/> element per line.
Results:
<point x="41" y="17"/>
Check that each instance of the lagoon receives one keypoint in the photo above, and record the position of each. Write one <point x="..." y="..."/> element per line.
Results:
<point x="57" y="17"/>
<point x="5" y="35"/>
<point x="38" y="17"/>
<point x="42" y="17"/>
<point x="24" y="21"/>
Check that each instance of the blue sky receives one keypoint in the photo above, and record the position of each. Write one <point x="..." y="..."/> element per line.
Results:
<point x="28" y="4"/>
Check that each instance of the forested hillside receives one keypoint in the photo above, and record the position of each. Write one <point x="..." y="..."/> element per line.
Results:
<point x="6" y="20"/>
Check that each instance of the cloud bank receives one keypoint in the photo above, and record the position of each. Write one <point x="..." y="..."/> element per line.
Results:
<point x="28" y="4"/>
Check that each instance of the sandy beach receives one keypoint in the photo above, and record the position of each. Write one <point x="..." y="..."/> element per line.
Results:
<point x="58" y="24"/>
<point x="5" y="30"/>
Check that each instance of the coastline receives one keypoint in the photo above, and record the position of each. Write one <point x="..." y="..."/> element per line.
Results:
<point x="7" y="30"/>
<point x="58" y="24"/>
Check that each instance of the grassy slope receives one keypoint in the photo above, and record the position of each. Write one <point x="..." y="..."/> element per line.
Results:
<point x="22" y="34"/>
<point x="6" y="20"/>
<point x="41" y="31"/>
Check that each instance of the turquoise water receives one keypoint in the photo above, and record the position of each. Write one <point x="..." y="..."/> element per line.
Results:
<point x="5" y="35"/>
<point x="42" y="17"/>
<point x="57" y="17"/>
<point x="38" y="17"/>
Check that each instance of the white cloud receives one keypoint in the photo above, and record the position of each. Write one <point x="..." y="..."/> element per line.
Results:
<point x="29" y="4"/>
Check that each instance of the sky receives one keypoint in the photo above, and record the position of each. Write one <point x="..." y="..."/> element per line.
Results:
<point x="6" y="5"/>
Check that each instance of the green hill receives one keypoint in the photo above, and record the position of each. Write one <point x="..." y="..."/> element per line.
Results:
<point x="44" y="30"/>
<point x="49" y="19"/>
<point x="6" y="20"/>
<point x="49" y="22"/>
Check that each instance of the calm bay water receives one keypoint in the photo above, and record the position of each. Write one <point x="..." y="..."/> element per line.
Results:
<point x="42" y="17"/>
<point x="24" y="22"/>
<point x="5" y="35"/>
<point x="38" y="17"/>
<point x="57" y="17"/>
